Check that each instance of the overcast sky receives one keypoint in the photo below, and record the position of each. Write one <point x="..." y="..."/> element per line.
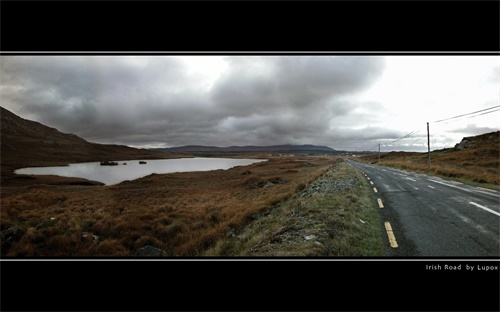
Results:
<point x="351" y="102"/>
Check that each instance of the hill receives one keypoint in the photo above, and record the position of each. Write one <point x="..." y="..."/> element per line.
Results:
<point x="475" y="158"/>
<point x="26" y="143"/>
<point x="307" y="148"/>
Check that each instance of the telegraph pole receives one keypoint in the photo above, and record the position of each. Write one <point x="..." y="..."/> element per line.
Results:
<point x="428" y="145"/>
<point x="379" y="153"/>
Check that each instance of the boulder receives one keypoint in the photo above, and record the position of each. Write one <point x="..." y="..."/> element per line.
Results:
<point x="109" y="163"/>
<point x="11" y="233"/>
<point x="462" y="145"/>
<point x="149" y="251"/>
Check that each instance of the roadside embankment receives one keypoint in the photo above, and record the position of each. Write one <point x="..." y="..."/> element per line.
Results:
<point x="333" y="216"/>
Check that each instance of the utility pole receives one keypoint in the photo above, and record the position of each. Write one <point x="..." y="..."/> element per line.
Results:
<point x="428" y="145"/>
<point x="379" y="153"/>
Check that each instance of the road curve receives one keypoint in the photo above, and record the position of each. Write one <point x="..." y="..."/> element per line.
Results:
<point x="426" y="216"/>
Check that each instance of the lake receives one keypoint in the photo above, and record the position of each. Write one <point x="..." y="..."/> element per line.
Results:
<point x="110" y="175"/>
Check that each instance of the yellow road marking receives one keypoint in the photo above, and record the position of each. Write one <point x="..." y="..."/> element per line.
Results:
<point x="375" y="190"/>
<point x="379" y="201"/>
<point x="390" y="234"/>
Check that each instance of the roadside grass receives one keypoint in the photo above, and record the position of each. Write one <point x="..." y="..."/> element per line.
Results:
<point x="480" y="176"/>
<point x="343" y="223"/>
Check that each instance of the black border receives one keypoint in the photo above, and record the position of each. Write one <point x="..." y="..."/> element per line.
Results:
<point x="246" y="285"/>
<point x="356" y="27"/>
<point x="250" y="26"/>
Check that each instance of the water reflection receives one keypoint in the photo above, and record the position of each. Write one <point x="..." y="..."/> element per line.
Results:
<point x="115" y="174"/>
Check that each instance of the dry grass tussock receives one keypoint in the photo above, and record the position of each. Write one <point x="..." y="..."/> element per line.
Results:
<point x="183" y="214"/>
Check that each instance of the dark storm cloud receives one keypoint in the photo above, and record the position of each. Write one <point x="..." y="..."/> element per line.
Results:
<point x="258" y="85"/>
<point x="291" y="99"/>
<point x="153" y="99"/>
<point x="97" y="96"/>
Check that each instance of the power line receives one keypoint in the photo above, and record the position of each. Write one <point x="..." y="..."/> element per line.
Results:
<point x="496" y="110"/>
<point x="466" y="114"/>
<point x="483" y="112"/>
<point x="403" y="137"/>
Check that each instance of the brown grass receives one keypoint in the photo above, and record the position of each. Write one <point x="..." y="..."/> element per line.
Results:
<point x="333" y="217"/>
<point x="181" y="213"/>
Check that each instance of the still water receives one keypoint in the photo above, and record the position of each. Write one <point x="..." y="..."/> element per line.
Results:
<point x="133" y="170"/>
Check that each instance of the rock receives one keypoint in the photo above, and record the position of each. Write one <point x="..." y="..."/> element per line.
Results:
<point x="231" y="232"/>
<point x="10" y="233"/>
<point x="94" y="237"/>
<point x="149" y="251"/>
<point x="278" y="180"/>
<point x="142" y="162"/>
<point x="462" y="144"/>
<point x="246" y="172"/>
<point x="124" y="163"/>
<point x="108" y="163"/>
<point x="310" y="237"/>
<point x="268" y="184"/>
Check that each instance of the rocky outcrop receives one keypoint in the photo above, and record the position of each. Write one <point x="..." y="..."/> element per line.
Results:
<point x="149" y="251"/>
<point x="478" y="141"/>
<point x="462" y="145"/>
<point x="10" y="234"/>
<point x="109" y="163"/>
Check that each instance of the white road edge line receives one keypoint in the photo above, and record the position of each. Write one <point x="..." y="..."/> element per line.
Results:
<point x="493" y="191"/>
<point x="432" y="187"/>
<point x="461" y="188"/>
<point x="485" y="208"/>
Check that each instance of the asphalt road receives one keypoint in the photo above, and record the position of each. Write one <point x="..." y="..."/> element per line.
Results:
<point x="426" y="216"/>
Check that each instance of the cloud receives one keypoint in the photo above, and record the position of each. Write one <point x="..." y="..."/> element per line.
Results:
<point x="495" y="75"/>
<point x="258" y="100"/>
<point x="98" y="95"/>
<point x="134" y="99"/>
<point x="270" y="85"/>
<point x="473" y="129"/>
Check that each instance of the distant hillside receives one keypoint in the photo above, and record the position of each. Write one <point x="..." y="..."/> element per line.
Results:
<point x="307" y="148"/>
<point x="28" y="143"/>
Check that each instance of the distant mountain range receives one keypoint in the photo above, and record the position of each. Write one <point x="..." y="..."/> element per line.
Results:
<point x="306" y="148"/>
